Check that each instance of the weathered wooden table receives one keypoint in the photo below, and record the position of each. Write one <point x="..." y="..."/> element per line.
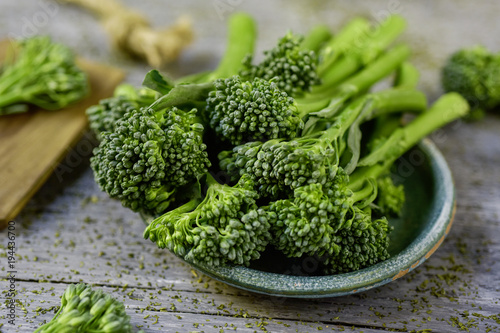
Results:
<point x="71" y="232"/>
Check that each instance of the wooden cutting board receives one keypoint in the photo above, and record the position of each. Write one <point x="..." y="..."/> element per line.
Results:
<point x="33" y="143"/>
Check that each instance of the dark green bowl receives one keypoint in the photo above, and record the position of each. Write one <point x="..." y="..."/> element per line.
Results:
<point x="426" y="220"/>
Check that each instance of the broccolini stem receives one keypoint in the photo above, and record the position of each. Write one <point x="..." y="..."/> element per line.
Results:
<point x="8" y="98"/>
<point x="362" y="50"/>
<point x="341" y="42"/>
<point x="374" y="72"/>
<point x="407" y="76"/>
<point x="242" y="33"/>
<point x="163" y="220"/>
<point x="380" y="68"/>
<point x="396" y="100"/>
<point x="446" y="109"/>
<point x="10" y="78"/>
<point x="315" y="38"/>
<point x="372" y="105"/>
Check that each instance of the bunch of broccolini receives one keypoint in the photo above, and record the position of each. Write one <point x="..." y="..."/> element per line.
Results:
<point x="84" y="310"/>
<point x="40" y="72"/>
<point x="474" y="72"/>
<point x="294" y="152"/>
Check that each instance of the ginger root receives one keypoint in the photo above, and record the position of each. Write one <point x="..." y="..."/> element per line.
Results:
<point x="131" y="32"/>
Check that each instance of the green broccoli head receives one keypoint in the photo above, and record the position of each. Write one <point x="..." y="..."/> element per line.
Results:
<point x="391" y="197"/>
<point x="225" y="227"/>
<point x="303" y="223"/>
<point x="310" y="222"/>
<point x="242" y="111"/>
<point x="362" y="242"/>
<point x="475" y="74"/>
<point x="148" y="156"/>
<point x="46" y="75"/>
<point x="104" y="116"/>
<point x="278" y="166"/>
<point x="292" y="68"/>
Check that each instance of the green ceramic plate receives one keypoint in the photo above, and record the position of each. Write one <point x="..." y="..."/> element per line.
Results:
<point x="426" y="220"/>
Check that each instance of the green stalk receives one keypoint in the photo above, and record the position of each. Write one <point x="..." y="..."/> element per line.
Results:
<point x="380" y="68"/>
<point x="242" y="33"/>
<point x="184" y="94"/>
<point x="446" y="109"/>
<point x="407" y="77"/>
<point x="315" y="38"/>
<point x="361" y="51"/>
<point x="342" y="42"/>
<point x="379" y="105"/>
<point x="362" y="81"/>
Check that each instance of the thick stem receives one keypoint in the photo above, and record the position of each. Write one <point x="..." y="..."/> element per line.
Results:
<point x="407" y="76"/>
<point x="446" y="109"/>
<point x="396" y="100"/>
<point x="342" y="42"/>
<point x="371" y="74"/>
<point x="380" y="68"/>
<point x="242" y="33"/>
<point x="378" y="104"/>
<point x="316" y="38"/>
<point x="11" y="78"/>
<point x="8" y="99"/>
<point x="362" y="48"/>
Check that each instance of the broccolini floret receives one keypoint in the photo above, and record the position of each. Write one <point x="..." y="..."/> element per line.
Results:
<point x="475" y="74"/>
<point x="391" y="197"/>
<point x="42" y="73"/>
<point x="86" y="310"/>
<point x="104" y="116"/>
<point x="292" y="68"/>
<point x="242" y="111"/>
<point x="225" y="226"/>
<point x="152" y="151"/>
<point x="361" y="242"/>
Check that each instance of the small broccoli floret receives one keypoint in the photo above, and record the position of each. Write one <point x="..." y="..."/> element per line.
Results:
<point x="475" y="74"/>
<point x="86" y="310"/>
<point x="42" y="73"/>
<point x="104" y="116"/>
<point x="151" y="153"/>
<point x="279" y="166"/>
<point x="292" y="68"/>
<point x="243" y="111"/>
<point x="226" y="226"/>
<point x="308" y="222"/>
<point x="362" y="242"/>
<point x="391" y="197"/>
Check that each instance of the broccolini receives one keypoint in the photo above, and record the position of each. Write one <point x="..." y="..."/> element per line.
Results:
<point x="86" y="310"/>
<point x="223" y="226"/>
<point x="474" y="73"/>
<point x="41" y="73"/>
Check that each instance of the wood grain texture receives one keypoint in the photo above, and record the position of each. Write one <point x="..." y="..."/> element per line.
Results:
<point x="33" y="143"/>
<point x="72" y="232"/>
